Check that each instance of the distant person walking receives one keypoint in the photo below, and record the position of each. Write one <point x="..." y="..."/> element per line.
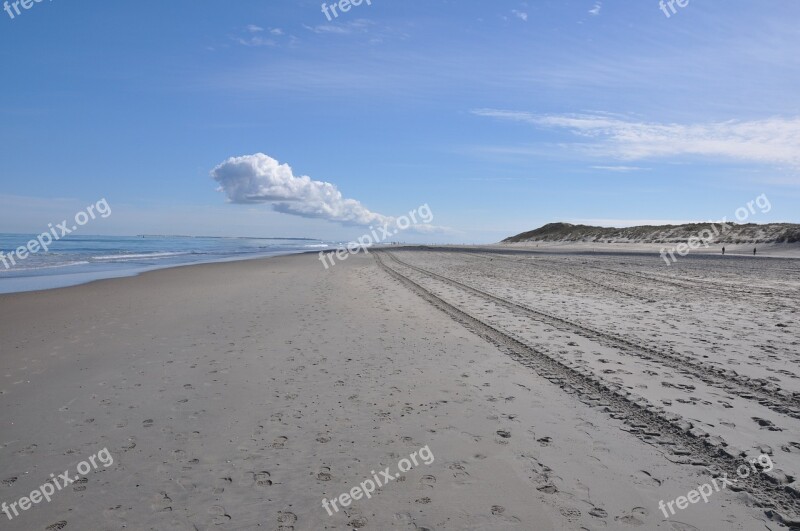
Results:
<point x="754" y="251"/>
<point x="723" y="250"/>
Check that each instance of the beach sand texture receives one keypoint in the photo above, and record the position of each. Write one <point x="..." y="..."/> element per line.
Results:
<point x="556" y="391"/>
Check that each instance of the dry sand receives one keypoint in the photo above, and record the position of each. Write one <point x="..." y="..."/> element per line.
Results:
<point x="561" y="391"/>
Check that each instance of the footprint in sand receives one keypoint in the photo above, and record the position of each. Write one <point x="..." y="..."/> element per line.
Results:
<point x="220" y="515"/>
<point x="279" y="442"/>
<point x="262" y="479"/>
<point x="80" y="484"/>
<point x="571" y="514"/>
<point x="498" y="511"/>
<point x="427" y="481"/>
<point x="766" y="424"/>
<point x="28" y="450"/>
<point x="650" y="479"/>
<point x="792" y="447"/>
<point x="323" y="439"/>
<point x="56" y="526"/>
<point x="459" y="472"/>
<point x="147" y="423"/>
<point x="356" y="520"/>
<point x="220" y="485"/>
<point x="286" y="521"/>
<point x="115" y="514"/>
<point x="9" y="481"/>
<point x="405" y="518"/>
<point x="131" y="444"/>
<point x="324" y="474"/>
<point x="161" y="503"/>
<point x="636" y="517"/>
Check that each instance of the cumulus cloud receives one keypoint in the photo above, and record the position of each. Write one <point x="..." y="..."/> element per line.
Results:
<point x="258" y="178"/>
<point x="596" y="9"/>
<point x="772" y="140"/>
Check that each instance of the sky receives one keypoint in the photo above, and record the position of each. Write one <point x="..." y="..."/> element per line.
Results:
<point x="255" y="118"/>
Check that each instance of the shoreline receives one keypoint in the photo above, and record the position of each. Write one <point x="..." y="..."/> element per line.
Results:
<point x="67" y="280"/>
<point x="773" y="251"/>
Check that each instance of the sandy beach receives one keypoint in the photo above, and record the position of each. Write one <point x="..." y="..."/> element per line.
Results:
<point x="534" y="390"/>
<point x="352" y="266"/>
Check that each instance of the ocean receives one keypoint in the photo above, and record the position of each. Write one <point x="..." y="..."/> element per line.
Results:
<point x="79" y="259"/>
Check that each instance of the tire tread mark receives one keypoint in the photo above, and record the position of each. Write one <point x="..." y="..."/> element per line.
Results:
<point x="644" y="418"/>
<point x="772" y="397"/>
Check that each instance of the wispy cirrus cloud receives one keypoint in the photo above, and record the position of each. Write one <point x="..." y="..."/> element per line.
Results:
<point x="254" y="37"/>
<point x="360" y="25"/>
<point x="770" y="141"/>
<point x="622" y="169"/>
<point x="255" y="41"/>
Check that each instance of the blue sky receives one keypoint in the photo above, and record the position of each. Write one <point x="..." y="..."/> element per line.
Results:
<point x="501" y="116"/>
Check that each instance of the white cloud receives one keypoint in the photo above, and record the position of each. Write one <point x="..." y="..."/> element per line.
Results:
<point x="772" y="140"/>
<point x="360" y="25"/>
<point x="252" y="37"/>
<point x="596" y="9"/>
<point x="619" y="168"/>
<point x="258" y="178"/>
<point x="256" y="41"/>
<point x="520" y="15"/>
